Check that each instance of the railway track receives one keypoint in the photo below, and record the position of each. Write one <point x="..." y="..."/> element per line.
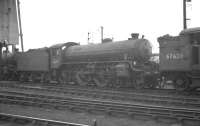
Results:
<point x="136" y="97"/>
<point x="100" y="106"/>
<point x="11" y="119"/>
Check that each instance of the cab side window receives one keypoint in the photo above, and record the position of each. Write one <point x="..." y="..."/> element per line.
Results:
<point x="53" y="52"/>
<point x="195" y="41"/>
<point x="195" y="38"/>
<point x="195" y="55"/>
<point x="56" y="52"/>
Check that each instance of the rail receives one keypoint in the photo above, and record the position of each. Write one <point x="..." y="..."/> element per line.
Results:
<point x="165" y="99"/>
<point x="104" y="106"/>
<point x="32" y="120"/>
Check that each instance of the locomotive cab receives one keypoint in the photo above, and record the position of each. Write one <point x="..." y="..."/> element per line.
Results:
<point x="194" y="39"/>
<point x="195" y="43"/>
<point x="56" y="58"/>
<point x="57" y="52"/>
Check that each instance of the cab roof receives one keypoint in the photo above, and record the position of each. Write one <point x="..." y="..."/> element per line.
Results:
<point x="190" y="31"/>
<point x="63" y="44"/>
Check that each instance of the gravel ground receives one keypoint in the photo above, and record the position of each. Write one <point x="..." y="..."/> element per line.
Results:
<point x="83" y="118"/>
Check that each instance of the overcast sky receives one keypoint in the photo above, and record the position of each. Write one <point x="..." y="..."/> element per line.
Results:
<point x="47" y="22"/>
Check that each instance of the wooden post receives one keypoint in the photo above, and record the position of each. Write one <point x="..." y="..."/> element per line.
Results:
<point x="20" y="25"/>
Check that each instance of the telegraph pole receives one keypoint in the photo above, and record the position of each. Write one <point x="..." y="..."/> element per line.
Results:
<point x="185" y="13"/>
<point x="88" y="38"/>
<point x="101" y="34"/>
<point x="20" y="26"/>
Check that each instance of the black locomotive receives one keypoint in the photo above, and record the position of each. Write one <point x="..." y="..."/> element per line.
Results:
<point x="110" y="64"/>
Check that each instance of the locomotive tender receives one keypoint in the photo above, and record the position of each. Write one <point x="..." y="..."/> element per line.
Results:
<point x="180" y="59"/>
<point x="111" y="64"/>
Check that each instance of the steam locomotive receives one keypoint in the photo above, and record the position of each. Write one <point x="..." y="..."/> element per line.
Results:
<point x="109" y="64"/>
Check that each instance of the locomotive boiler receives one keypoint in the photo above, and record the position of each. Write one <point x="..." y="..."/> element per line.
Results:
<point x="138" y="50"/>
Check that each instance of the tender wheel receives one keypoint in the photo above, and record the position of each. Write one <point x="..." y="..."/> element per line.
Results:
<point x="139" y="84"/>
<point x="181" y="83"/>
<point x="46" y="78"/>
<point x="21" y="77"/>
